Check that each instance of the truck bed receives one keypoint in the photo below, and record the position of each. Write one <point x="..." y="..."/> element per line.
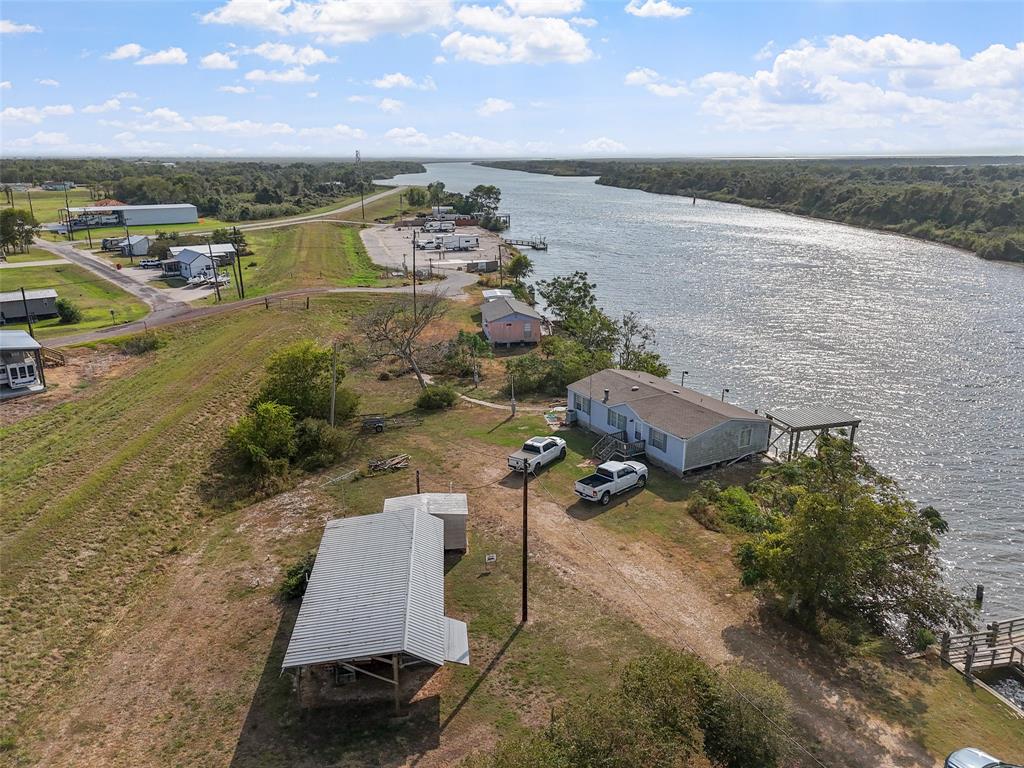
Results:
<point x="592" y="481"/>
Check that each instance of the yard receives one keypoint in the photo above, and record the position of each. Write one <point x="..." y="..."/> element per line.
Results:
<point x="34" y="254"/>
<point x="143" y="627"/>
<point x="45" y="205"/>
<point x="93" y="295"/>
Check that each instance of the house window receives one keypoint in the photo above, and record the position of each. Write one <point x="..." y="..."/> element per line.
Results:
<point x="744" y="437"/>
<point x="616" y="420"/>
<point x="528" y="329"/>
<point x="659" y="439"/>
<point x="581" y="403"/>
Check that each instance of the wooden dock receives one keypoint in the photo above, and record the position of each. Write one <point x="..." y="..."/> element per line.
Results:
<point x="537" y="243"/>
<point x="1000" y="646"/>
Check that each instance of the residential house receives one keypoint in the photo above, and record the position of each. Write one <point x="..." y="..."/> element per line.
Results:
<point x="676" y="428"/>
<point x="37" y="302"/>
<point x="509" y="321"/>
<point x="21" y="365"/>
<point x="188" y="261"/>
<point x="134" y="245"/>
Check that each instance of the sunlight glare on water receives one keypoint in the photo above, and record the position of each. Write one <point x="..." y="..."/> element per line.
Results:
<point x="925" y="343"/>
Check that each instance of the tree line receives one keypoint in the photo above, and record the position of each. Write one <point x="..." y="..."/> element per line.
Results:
<point x="229" y="190"/>
<point x="971" y="206"/>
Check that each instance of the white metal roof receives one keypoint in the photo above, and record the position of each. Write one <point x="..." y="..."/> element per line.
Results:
<point x="431" y="503"/>
<point x="33" y="293"/>
<point x="497" y="293"/>
<point x="189" y="253"/>
<point x="377" y="588"/>
<point x="813" y="416"/>
<point x="17" y="340"/>
<point x="102" y="208"/>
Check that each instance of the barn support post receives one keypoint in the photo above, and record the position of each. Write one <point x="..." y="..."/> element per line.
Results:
<point x="398" y="691"/>
<point x="39" y="366"/>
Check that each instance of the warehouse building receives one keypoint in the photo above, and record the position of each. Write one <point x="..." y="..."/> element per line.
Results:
<point x="132" y="215"/>
<point x="38" y="302"/>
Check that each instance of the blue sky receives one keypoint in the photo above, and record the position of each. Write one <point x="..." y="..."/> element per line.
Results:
<point x="516" y="78"/>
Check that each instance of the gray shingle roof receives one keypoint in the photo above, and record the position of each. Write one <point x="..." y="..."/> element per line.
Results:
<point x="503" y="307"/>
<point x="377" y="588"/>
<point x="665" y="406"/>
<point x="814" y="416"/>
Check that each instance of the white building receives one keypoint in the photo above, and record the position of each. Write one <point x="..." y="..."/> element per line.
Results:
<point x="137" y="215"/>
<point x="188" y="261"/>
<point x="451" y="508"/>
<point x="21" y="365"/>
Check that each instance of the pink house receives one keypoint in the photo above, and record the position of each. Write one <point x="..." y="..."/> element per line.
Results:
<point x="509" y="321"/>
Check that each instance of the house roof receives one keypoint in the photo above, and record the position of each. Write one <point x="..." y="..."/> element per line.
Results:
<point x="34" y="293"/>
<point x="377" y="588"/>
<point x="665" y="406"/>
<point x="431" y="503"/>
<point x="503" y="307"/>
<point x="123" y="207"/>
<point x="133" y="239"/>
<point x="814" y="416"/>
<point x="189" y="253"/>
<point x="17" y="340"/>
<point x="496" y="293"/>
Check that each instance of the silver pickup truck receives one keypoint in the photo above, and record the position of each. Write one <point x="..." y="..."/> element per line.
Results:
<point x="610" y="478"/>
<point x="536" y="453"/>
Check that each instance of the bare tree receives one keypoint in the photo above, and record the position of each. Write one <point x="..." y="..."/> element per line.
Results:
<point x="392" y="330"/>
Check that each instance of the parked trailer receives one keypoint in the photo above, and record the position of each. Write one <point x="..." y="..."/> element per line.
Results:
<point x="460" y="242"/>
<point x="439" y="226"/>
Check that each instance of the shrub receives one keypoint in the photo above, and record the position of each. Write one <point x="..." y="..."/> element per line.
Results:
<point x="297" y="576"/>
<point x="299" y="376"/>
<point x="739" y="508"/>
<point x="437" y="396"/>
<point x="68" y="312"/>
<point x="736" y="731"/>
<point x="317" y="443"/>
<point x="835" y="635"/>
<point x="265" y="439"/>
<point x="922" y="638"/>
<point x="704" y="512"/>
<point x="140" y="343"/>
<point x="709" y="489"/>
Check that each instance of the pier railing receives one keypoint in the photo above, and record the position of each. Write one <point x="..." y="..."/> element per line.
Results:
<point x="999" y="645"/>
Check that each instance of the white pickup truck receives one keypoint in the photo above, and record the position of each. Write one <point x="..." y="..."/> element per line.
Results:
<point x="610" y="478"/>
<point x="536" y="452"/>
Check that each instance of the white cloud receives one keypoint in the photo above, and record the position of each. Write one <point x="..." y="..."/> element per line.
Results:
<point x="657" y="9"/>
<point x="312" y="94"/>
<point x="359" y="99"/>
<point x="512" y="39"/>
<point x="126" y="51"/>
<point x="126" y="95"/>
<point x="11" y="28"/>
<point x="293" y="75"/>
<point x="545" y="7"/>
<point x="440" y="60"/>
<point x="885" y="86"/>
<point x="35" y="115"/>
<point x="602" y="144"/>
<point x="581" y="21"/>
<point x="335" y="21"/>
<point x="288" y="54"/>
<point x="390" y="106"/>
<point x="217" y="60"/>
<point x="49" y="82"/>
<point x="239" y="89"/>
<point x="766" y="52"/>
<point x="166" y="56"/>
<point x="398" y="80"/>
<point x="407" y="137"/>
<point x="110" y="105"/>
<point x="42" y="139"/>
<point x="654" y="83"/>
<point x="338" y="131"/>
<point x="130" y="142"/>
<point x="5" y="85"/>
<point x="222" y="124"/>
<point x="492" y="106"/>
<point x="207" y="149"/>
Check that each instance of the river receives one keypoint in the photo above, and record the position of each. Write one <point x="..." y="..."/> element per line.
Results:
<point x="925" y="343"/>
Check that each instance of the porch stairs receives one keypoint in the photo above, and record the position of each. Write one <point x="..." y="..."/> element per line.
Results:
<point x="617" y="444"/>
<point x="54" y="358"/>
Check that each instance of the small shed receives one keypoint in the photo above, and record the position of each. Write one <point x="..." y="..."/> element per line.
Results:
<point x="497" y="293"/>
<point x="21" y="365"/>
<point x="374" y="604"/>
<point x="134" y="245"/>
<point x="510" y="321"/>
<point x="451" y="508"/>
<point x="37" y="302"/>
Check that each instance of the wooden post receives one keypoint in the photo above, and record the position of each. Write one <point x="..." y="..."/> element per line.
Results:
<point x="398" y="692"/>
<point x="417" y="481"/>
<point x="334" y="379"/>
<point x="307" y="302"/>
<point x="28" y="317"/>
<point x="993" y="633"/>
<point x="969" y="661"/>
<point x="526" y="530"/>
<point x="945" y="645"/>
<point x="266" y="302"/>
<point x="39" y="366"/>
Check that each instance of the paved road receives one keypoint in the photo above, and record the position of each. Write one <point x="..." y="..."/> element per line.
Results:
<point x="42" y="263"/>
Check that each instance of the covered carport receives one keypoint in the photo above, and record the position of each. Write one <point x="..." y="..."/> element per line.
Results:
<point x="790" y="425"/>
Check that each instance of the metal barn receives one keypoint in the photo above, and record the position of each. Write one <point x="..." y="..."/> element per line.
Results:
<point x="451" y="508"/>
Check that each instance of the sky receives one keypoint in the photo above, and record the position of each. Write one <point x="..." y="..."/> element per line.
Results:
<point x="518" y="78"/>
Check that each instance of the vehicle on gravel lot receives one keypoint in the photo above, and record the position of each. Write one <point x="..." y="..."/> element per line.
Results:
<point x="969" y="757"/>
<point x="147" y="263"/>
<point x="536" y="453"/>
<point x="610" y="478"/>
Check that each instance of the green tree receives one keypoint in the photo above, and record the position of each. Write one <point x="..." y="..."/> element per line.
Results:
<point x="265" y="439"/>
<point x="417" y="196"/>
<point x="564" y="295"/>
<point x="592" y="328"/>
<point x="634" y="351"/>
<point x="485" y="198"/>
<point x="17" y="228"/>
<point x="851" y="545"/>
<point x="519" y="267"/>
<point x="735" y="719"/>
<point x="435" y="192"/>
<point x="299" y="376"/>
<point x="68" y="312"/>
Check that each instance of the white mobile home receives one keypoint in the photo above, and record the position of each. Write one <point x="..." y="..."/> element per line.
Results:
<point x="37" y="302"/>
<point x="21" y="365"/>
<point x="678" y="429"/>
<point x="188" y="261"/>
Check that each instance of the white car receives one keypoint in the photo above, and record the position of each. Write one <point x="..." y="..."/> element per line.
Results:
<point x="536" y="453"/>
<point x="611" y="478"/>
<point x="147" y="263"/>
<point x="969" y="757"/>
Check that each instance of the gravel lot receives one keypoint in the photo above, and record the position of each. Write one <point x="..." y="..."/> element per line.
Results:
<point x="392" y="246"/>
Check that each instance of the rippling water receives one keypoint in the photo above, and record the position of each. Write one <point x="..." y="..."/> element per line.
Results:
<point x="924" y="342"/>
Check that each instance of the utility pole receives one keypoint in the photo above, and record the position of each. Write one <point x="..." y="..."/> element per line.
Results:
<point x="241" y="282"/>
<point x="512" y="378"/>
<point x="236" y="268"/>
<point x="31" y="210"/>
<point x="127" y="238"/>
<point x="414" y="276"/>
<point x="213" y="264"/>
<point x="526" y="530"/>
<point x="334" y="389"/>
<point x="67" y="207"/>
<point x="359" y="173"/>
<point x="501" y="266"/>
<point x="28" y="317"/>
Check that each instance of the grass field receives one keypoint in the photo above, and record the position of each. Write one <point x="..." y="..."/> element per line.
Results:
<point x="34" y="254"/>
<point x="315" y="254"/>
<point x="90" y="293"/>
<point x="46" y="204"/>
